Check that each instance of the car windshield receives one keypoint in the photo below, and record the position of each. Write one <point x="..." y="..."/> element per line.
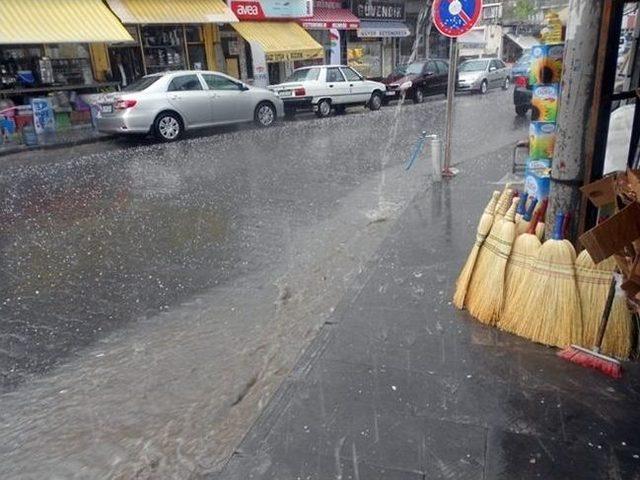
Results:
<point x="304" y="74"/>
<point x="142" y="84"/>
<point x="400" y="70"/>
<point x="524" y="60"/>
<point x="415" y="68"/>
<point x="473" y="66"/>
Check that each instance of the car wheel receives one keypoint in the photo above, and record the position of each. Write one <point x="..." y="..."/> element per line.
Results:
<point x="324" y="108"/>
<point x="340" y="109"/>
<point x="168" y="127"/>
<point x="505" y="85"/>
<point x="484" y="87"/>
<point x="385" y="101"/>
<point x="375" y="102"/>
<point x="521" y="110"/>
<point x="418" y="96"/>
<point x="265" y="114"/>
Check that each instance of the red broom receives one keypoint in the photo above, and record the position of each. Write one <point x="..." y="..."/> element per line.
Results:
<point x="593" y="358"/>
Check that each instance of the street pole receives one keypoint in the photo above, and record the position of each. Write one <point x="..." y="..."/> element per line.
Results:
<point x="451" y="88"/>
<point x="578" y="79"/>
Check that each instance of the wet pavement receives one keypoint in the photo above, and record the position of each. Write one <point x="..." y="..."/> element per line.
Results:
<point x="154" y="297"/>
<point x="398" y="384"/>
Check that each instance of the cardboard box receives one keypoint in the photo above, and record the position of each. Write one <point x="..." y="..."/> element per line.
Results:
<point x="544" y="104"/>
<point x="546" y="64"/>
<point x="542" y="140"/>
<point x="614" y="235"/>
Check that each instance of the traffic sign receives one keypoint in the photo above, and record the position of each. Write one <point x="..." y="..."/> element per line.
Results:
<point x="453" y="18"/>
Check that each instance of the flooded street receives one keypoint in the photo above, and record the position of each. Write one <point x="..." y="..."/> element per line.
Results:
<point x="152" y="298"/>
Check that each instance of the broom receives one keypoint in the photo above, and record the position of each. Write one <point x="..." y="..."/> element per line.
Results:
<point x="485" y="294"/>
<point x="552" y="295"/>
<point x="503" y="205"/>
<point x="523" y="226"/>
<point x="593" y="358"/>
<point x="541" y="224"/>
<point x="593" y="284"/>
<point x="484" y="226"/>
<point x="524" y="251"/>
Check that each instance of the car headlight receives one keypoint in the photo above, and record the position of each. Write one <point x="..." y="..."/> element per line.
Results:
<point x="406" y="85"/>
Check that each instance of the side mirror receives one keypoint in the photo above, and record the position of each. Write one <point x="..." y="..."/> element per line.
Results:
<point x="492" y="69"/>
<point x="242" y="87"/>
<point x="429" y="74"/>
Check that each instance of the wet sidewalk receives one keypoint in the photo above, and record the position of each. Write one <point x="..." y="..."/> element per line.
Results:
<point x="61" y="139"/>
<point x="400" y="385"/>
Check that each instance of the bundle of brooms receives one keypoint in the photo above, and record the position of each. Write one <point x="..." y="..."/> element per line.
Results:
<point x="551" y="300"/>
<point x="486" y="288"/>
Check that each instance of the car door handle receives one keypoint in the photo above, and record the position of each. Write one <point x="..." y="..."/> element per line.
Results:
<point x="351" y="84"/>
<point x="330" y="86"/>
<point x="175" y="97"/>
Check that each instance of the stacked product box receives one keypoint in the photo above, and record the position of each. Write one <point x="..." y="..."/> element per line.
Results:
<point x="545" y="75"/>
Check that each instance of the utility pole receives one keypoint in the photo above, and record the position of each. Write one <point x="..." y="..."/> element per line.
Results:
<point x="578" y="85"/>
<point x="423" y="23"/>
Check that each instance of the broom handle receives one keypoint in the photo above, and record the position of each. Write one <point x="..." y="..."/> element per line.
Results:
<point x="605" y="314"/>
<point x="534" y="222"/>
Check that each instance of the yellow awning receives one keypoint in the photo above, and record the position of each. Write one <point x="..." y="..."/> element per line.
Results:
<point x="172" y="11"/>
<point x="59" y="21"/>
<point x="281" y="40"/>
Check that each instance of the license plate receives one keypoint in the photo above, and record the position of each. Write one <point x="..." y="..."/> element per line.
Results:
<point x="106" y="108"/>
<point x="285" y="93"/>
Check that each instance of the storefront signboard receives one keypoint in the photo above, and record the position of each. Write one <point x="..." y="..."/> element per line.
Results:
<point x="379" y="10"/>
<point x="267" y="9"/>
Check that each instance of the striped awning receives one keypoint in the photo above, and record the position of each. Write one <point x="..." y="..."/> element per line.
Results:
<point x="281" y="41"/>
<point x="326" y="18"/>
<point x="172" y="11"/>
<point x="59" y="21"/>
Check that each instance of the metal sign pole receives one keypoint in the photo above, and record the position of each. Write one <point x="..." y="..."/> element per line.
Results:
<point x="451" y="89"/>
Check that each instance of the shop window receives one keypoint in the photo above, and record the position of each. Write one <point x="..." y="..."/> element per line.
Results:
<point x="185" y="83"/>
<point x="216" y="82"/>
<point x="366" y="58"/>
<point x="163" y="48"/>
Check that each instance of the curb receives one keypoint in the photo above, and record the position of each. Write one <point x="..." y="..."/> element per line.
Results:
<point x="55" y="146"/>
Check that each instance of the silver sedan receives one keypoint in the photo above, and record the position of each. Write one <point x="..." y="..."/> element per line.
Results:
<point x="169" y="103"/>
<point x="482" y="74"/>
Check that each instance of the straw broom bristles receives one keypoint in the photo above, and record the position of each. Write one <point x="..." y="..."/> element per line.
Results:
<point x="594" y="281"/>
<point x="484" y="226"/>
<point x="552" y="300"/>
<point x="525" y="250"/>
<point x="485" y="293"/>
<point x="503" y="205"/>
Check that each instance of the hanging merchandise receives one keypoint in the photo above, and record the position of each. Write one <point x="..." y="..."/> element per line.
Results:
<point x="542" y="140"/>
<point x="537" y="181"/>
<point x="544" y="104"/>
<point x="546" y="64"/>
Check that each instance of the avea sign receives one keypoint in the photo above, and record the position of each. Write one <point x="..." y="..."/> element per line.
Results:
<point x="265" y="9"/>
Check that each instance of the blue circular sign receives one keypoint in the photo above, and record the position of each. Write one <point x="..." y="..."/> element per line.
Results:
<point x="453" y="18"/>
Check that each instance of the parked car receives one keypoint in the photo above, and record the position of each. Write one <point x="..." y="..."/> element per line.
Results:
<point x="418" y="79"/>
<point x="482" y="74"/>
<point x="324" y="88"/>
<point x="522" y="65"/>
<point x="169" y="103"/>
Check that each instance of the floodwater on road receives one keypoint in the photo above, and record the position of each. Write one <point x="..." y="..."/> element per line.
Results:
<point x="152" y="298"/>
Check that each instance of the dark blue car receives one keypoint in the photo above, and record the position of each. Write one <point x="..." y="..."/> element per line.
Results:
<point x="520" y="76"/>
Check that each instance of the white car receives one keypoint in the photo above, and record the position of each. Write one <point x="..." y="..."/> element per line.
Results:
<point x="328" y="87"/>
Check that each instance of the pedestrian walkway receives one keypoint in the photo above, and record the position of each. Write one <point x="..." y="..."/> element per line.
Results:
<point x="63" y="138"/>
<point x="400" y="385"/>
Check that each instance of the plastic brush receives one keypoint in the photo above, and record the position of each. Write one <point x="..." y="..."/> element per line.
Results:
<point x="593" y="358"/>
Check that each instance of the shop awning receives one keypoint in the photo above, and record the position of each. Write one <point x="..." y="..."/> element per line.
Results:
<point x="172" y="11"/>
<point x="382" y="29"/>
<point x="326" y="18"/>
<point x="281" y="41"/>
<point x="59" y="21"/>
<point x="525" y="42"/>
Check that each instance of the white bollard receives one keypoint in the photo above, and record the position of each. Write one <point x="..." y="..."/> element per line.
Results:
<point x="435" y="148"/>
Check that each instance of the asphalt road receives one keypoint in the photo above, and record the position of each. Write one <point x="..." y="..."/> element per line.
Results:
<point x="153" y="296"/>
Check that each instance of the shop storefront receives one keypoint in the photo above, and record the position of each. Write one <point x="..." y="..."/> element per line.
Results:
<point x="167" y="36"/>
<point x="50" y="56"/>
<point x="373" y="48"/>
<point x="329" y="27"/>
<point x="273" y="44"/>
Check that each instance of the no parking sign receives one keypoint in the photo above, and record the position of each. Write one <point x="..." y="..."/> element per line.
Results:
<point x="453" y="18"/>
